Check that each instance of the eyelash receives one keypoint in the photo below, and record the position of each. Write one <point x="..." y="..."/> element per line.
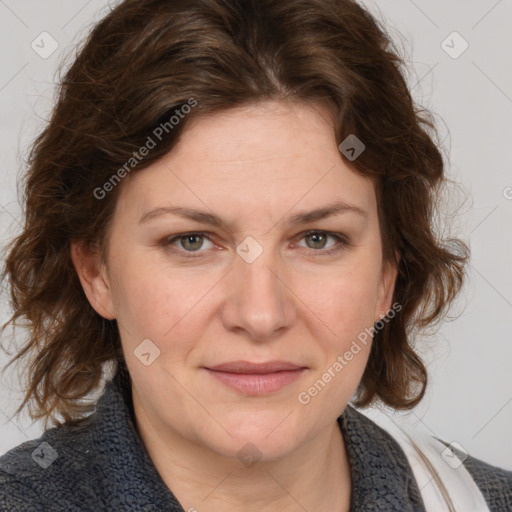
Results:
<point x="342" y="242"/>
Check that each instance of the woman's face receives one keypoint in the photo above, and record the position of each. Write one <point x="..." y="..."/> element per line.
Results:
<point x="251" y="285"/>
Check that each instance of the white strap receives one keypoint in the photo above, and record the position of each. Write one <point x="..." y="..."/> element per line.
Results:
<point x="429" y="468"/>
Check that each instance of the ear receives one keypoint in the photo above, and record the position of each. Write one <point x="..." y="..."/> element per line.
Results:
<point x="93" y="276"/>
<point x="386" y="287"/>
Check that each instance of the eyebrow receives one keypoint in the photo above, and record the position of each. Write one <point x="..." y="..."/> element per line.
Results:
<point x="304" y="217"/>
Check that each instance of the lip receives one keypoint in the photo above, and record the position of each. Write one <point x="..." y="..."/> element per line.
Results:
<point x="254" y="368"/>
<point x="256" y="379"/>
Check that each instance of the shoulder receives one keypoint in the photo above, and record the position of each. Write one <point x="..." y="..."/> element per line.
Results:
<point x="494" y="482"/>
<point x="97" y="463"/>
<point x="461" y="475"/>
<point x="46" y="472"/>
<point x="15" y="496"/>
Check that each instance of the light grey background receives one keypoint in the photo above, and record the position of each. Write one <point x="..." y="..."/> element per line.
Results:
<point x="470" y="395"/>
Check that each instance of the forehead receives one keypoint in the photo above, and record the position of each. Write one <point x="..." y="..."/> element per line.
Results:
<point x="266" y="159"/>
<point x="270" y="129"/>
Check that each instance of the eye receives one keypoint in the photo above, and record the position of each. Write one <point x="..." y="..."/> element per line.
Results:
<point x="319" y="239"/>
<point x="189" y="242"/>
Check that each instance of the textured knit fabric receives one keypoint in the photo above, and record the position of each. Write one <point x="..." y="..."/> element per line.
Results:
<point x="102" y="465"/>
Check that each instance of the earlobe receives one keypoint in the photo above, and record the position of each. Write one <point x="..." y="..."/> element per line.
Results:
<point x="93" y="277"/>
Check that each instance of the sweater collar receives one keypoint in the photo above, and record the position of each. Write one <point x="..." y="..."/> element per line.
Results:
<point x="380" y="473"/>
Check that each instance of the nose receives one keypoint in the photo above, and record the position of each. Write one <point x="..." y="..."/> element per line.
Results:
<point x="259" y="300"/>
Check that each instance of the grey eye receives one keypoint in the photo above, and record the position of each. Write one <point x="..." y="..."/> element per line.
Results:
<point x="192" y="242"/>
<point x="318" y="240"/>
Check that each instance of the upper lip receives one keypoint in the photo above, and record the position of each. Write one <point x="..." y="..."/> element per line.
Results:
<point x="255" y="368"/>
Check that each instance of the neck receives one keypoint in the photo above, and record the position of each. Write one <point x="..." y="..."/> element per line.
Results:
<point x="315" y="476"/>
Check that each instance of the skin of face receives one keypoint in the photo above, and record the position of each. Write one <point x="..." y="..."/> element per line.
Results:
<point x="254" y="167"/>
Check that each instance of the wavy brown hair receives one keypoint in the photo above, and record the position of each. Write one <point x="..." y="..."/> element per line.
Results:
<point x="141" y="63"/>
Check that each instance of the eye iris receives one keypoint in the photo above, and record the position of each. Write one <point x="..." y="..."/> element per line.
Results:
<point x="317" y="236"/>
<point x="188" y="238"/>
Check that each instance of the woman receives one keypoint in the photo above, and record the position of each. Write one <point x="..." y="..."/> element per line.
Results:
<point x="229" y="219"/>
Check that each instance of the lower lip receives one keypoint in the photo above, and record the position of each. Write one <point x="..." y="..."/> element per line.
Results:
<point x="257" y="384"/>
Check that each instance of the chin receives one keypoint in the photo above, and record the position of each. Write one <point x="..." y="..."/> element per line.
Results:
<point x="268" y="435"/>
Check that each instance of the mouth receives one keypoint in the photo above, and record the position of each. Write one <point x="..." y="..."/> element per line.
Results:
<point x="256" y="379"/>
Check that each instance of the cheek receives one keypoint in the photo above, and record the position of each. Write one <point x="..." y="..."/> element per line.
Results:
<point x="347" y="299"/>
<point x="160" y="304"/>
<point x="347" y="308"/>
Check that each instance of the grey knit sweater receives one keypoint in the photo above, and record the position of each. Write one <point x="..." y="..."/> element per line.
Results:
<point x="102" y="465"/>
